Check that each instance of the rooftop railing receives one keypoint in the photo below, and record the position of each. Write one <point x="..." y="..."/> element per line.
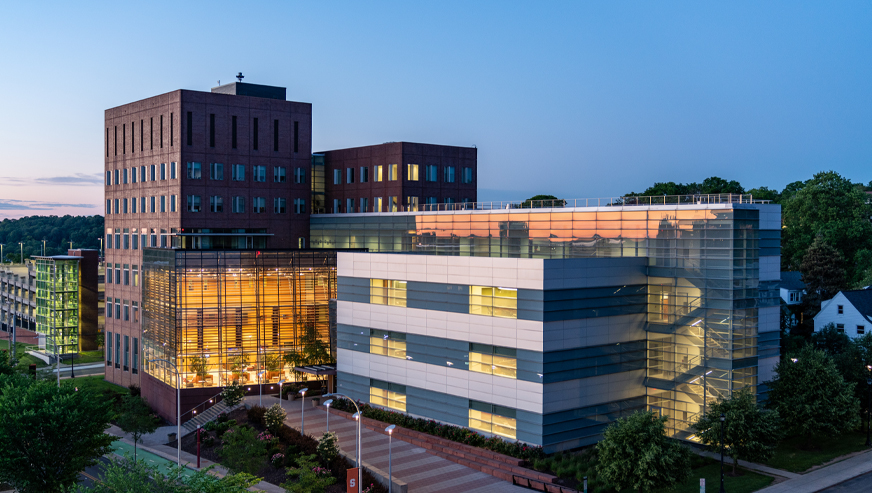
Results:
<point x="698" y="199"/>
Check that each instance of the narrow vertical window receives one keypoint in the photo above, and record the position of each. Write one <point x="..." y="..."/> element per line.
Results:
<point x="254" y="135"/>
<point x="275" y="135"/>
<point x="123" y="138"/>
<point x="190" y="128"/>
<point x="211" y="130"/>
<point x="296" y="136"/>
<point x="141" y="135"/>
<point x="233" y="132"/>
<point x="172" y="128"/>
<point x="115" y="140"/>
<point x="107" y="141"/>
<point x="151" y="132"/>
<point x="161" y="131"/>
<point x="132" y="137"/>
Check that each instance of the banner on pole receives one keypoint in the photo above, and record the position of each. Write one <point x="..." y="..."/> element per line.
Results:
<point x="351" y="485"/>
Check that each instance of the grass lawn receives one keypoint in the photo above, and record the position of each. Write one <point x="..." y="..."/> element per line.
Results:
<point x="24" y="359"/>
<point x="791" y="457"/>
<point x="89" y="357"/>
<point x="97" y="382"/>
<point x="748" y="482"/>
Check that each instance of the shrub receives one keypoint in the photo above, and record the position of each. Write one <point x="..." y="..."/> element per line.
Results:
<point x="310" y="478"/>
<point x="274" y="417"/>
<point x="328" y="448"/>
<point x="134" y="390"/>
<point x="242" y="451"/>
<point x="293" y="438"/>
<point x="222" y="418"/>
<point x="277" y="460"/>
<point x="233" y="394"/>
<point x="208" y="441"/>
<point x="255" y="414"/>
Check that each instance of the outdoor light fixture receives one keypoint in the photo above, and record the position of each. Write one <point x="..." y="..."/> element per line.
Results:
<point x="327" y="405"/>
<point x="390" y="430"/>
<point x="723" y="425"/>
<point x="303" y="410"/>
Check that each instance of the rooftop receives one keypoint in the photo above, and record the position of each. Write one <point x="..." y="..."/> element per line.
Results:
<point x="792" y="281"/>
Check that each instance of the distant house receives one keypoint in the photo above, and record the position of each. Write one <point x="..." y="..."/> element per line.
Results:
<point x="792" y="287"/>
<point x="850" y="311"/>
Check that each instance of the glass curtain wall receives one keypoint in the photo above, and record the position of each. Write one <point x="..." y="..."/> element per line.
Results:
<point x="225" y="316"/>
<point x="57" y="303"/>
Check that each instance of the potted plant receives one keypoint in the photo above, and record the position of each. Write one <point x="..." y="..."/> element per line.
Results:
<point x="199" y="366"/>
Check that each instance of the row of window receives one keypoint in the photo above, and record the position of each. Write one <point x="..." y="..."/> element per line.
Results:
<point x="490" y="301"/>
<point x="194" y="203"/>
<point x="125" y="360"/>
<point x="122" y="311"/>
<point x="489" y="418"/>
<point x="861" y="329"/>
<point x="234" y="133"/>
<point x="482" y="358"/>
<point x="141" y="135"/>
<point x="392" y="204"/>
<point x="142" y="174"/>
<point x="237" y="173"/>
<point x="125" y="241"/>
<point x="122" y="275"/>
<point x="390" y="172"/>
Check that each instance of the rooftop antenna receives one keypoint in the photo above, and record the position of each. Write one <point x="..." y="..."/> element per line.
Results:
<point x="240" y="76"/>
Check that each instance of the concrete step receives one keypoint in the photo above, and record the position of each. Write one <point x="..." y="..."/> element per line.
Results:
<point x="206" y="416"/>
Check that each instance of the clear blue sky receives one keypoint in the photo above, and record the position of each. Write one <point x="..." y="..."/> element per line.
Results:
<point x="575" y="99"/>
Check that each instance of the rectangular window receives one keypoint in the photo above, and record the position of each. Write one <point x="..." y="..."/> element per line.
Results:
<point x="108" y="345"/>
<point x="467" y="175"/>
<point x="216" y="171"/>
<point x="493" y="360"/>
<point x="233" y="132"/>
<point x="376" y="204"/>
<point x="377" y="173"/>
<point x="124" y="138"/>
<point x="151" y="132"/>
<point x="117" y="208"/>
<point x="163" y="203"/>
<point x="107" y="141"/>
<point x="392" y="172"/>
<point x="296" y="136"/>
<point x="172" y="130"/>
<point x="216" y="204"/>
<point x="237" y="172"/>
<point x="280" y="174"/>
<point x="337" y="207"/>
<point x="337" y="177"/>
<point x="364" y="174"/>
<point x="135" y="316"/>
<point x="173" y="167"/>
<point x="258" y="205"/>
<point x="153" y="239"/>
<point x="194" y="171"/>
<point x="108" y="206"/>
<point x="349" y="205"/>
<point x="135" y="239"/>
<point x="349" y="175"/>
<point x="392" y="204"/>
<point x="117" y="278"/>
<point x="133" y="175"/>
<point x="152" y="209"/>
<point x="299" y="175"/>
<point x="173" y="203"/>
<point x="141" y="135"/>
<point x="115" y="140"/>
<point x="117" y="177"/>
<point x="211" y="129"/>
<point x="190" y="128"/>
<point x="117" y="350"/>
<point x="163" y="171"/>
<point x="299" y="206"/>
<point x="449" y="174"/>
<point x="431" y="201"/>
<point x="254" y="138"/>
<point x="279" y="205"/>
<point x="117" y="305"/>
<point x="135" y="277"/>
<point x="126" y="311"/>
<point x="840" y="328"/>
<point x="841" y="309"/>
<point x="108" y="178"/>
<point x="126" y="352"/>
<point x="135" y="361"/>
<point x="258" y="173"/>
<point x="239" y="204"/>
<point x="124" y="176"/>
<point x="364" y="204"/>
<point x="493" y="301"/>
<point x="142" y="205"/>
<point x="494" y="419"/>
<point x="389" y="395"/>
<point x="432" y="172"/>
<point x="861" y="329"/>
<point x="392" y="344"/>
<point x="387" y="292"/>
<point x="193" y="203"/>
<point x="412" y="203"/>
<point x="126" y="241"/>
<point x="124" y="206"/>
<point x="275" y="135"/>
<point x="153" y="175"/>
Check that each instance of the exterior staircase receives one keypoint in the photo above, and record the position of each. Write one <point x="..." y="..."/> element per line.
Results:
<point x="210" y="414"/>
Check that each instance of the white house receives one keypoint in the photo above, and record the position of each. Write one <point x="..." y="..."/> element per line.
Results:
<point x="850" y="311"/>
<point x="792" y="288"/>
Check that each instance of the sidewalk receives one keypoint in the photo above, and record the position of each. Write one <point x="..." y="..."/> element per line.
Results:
<point x="769" y="471"/>
<point x="825" y="477"/>
<point x="423" y="472"/>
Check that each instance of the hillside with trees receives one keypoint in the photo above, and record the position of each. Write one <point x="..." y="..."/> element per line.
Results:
<point x="83" y="231"/>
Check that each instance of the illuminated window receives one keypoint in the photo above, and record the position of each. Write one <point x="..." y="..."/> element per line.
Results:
<point x="490" y="418"/>
<point x="389" y="395"/>
<point x="493" y="360"/>
<point x="412" y="172"/>
<point x="392" y="204"/>
<point x="387" y="292"/>
<point x="376" y="204"/>
<point x="493" y="301"/>
<point x="386" y="343"/>
<point x="392" y="172"/>
<point x="377" y="173"/>
<point x="412" y="203"/>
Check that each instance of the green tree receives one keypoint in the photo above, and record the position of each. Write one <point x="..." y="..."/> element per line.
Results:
<point x="311" y="351"/>
<point x="233" y="394"/>
<point x="823" y="272"/>
<point x="750" y="432"/>
<point x="131" y="476"/>
<point x="274" y="418"/>
<point x="635" y="453"/>
<point x="764" y="193"/>
<point x="84" y="231"/>
<point x="242" y="451"/>
<point x="310" y="477"/>
<point x="831" y="207"/>
<point x="715" y="184"/>
<point x="7" y="364"/>
<point x="831" y="341"/>
<point x="711" y="185"/>
<point x="136" y="418"/>
<point x="542" y="201"/>
<point x="811" y="397"/>
<point x="49" y="434"/>
<point x="328" y="447"/>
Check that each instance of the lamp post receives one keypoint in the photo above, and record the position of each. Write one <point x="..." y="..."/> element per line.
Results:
<point x="21" y="244"/>
<point x="303" y="410"/>
<point x="260" y="384"/>
<point x="1" y="252"/>
<point x="390" y="430"/>
<point x="101" y="245"/>
<point x="357" y="417"/>
<point x="281" y="382"/>
<point x="723" y="424"/>
<point x="327" y="405"/>
<point x="178" y="408"/>
<point x="43" y="248"/>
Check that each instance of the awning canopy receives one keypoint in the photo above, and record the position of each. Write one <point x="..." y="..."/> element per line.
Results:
<point x="318" y="370"/>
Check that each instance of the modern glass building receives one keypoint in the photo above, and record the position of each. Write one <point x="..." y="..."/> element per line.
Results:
<point x="584" y="313"/>
<point x="231" y="315"/>
<point x="57" y="302"/>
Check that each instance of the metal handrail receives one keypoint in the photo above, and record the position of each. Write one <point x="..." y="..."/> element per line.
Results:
<point x="216" y="398"/>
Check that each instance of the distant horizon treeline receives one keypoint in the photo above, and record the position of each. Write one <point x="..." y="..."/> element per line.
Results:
<point x="57" y="231"/>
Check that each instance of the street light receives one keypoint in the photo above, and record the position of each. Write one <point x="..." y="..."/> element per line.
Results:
<point x="390" y="430"/>
<point x="723" y="424"/>
<point x="303" y="409"/>
<point x="356" y="417"/>
<point x="21" y="244"/>
<point x="281" y="382"/>
<point x="43" y="248"/>
<point x="327" y="405"/>
<point x="101" y="245"/>
<point x="178" y="408"/>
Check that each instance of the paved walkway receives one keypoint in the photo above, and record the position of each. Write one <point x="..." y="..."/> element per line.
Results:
<point x="825" y="477"/>
<point x="771" y="471"/>
<point x="423" y="472"/>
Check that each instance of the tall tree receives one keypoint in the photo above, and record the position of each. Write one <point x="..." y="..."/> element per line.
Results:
<point x="49" y="434"/>
<point x="811" y="397"/>
<point x="831" y="207"/>
<point x="749" y="432"/>
<point x="136" y="418"/>
<point x="635" y="453"/>
<point x="131" y="476"/>
<point x="83" y="231"/>
<point x="823" y="272"/>
<point x="710" y="185"/>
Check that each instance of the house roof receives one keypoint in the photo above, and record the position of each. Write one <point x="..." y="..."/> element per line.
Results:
<point x="861" y="299"/>
<point x="792" y="281"/>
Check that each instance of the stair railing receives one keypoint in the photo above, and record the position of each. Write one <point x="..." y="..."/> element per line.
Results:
<point x="202" y="407"/>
